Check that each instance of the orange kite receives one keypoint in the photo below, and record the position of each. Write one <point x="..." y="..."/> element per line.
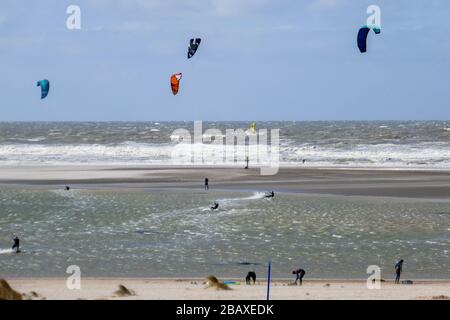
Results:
<point x="175" y="82"/>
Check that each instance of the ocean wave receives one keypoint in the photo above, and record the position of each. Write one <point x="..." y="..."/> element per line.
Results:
<point x="6" y="251"/>
<point x="422" y="155"/>
<point x="419" y="144"/>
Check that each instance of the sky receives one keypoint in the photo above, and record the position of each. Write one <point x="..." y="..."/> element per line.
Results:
<point x="259" y="60"/>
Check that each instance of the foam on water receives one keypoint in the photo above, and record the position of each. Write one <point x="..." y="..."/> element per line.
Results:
<point x="254" y="196"/>
<point x="340" y="144"/>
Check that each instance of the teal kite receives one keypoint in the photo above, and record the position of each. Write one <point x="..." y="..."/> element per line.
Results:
<point x="45" y="87"/>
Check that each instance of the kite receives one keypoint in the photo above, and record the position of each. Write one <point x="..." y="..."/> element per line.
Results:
<point x="362" y="36"/>
<point x="193" y="46"/>
<point x="45" y="87"/>
<point x="175" y="82"/>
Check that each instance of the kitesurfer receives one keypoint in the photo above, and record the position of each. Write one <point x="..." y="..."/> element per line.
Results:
<point x="206" y="184"/>
<point x="215" y="206"/>
<point x="271" y="194"/>
<point x="16" y="244"/>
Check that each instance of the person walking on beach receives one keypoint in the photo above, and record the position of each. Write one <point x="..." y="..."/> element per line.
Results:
<point x="16" y="244"/>
<point x="398" y="271"/>
<point x="300" y="273"/>
<point x="206" y="184"/>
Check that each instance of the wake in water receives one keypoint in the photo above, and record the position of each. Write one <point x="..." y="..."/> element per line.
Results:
<point x="6" y="251"/>
<point x="254" y="196"/>
<point x="226" y="203"/>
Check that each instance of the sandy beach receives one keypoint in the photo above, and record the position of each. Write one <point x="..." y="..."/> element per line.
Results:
<point x="425" y="184"/>
<point x="408" y="186"/>
<point x="195" y="289"/>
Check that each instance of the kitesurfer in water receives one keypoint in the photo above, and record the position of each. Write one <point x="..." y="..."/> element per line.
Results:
<point x="16" y="244"/>
<point x="271" y="194"/>
<point x="67" y="188"/>
<point x="206" y="184"/>
<point x="215" y="206"/>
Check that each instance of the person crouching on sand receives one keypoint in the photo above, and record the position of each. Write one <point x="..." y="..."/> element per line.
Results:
<point x="300" y="273"/>
<point x="398" y="271"/>
<point x="251" y="276"/>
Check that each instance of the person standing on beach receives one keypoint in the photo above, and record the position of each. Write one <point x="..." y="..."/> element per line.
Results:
<point x="398" y="271"/>
<point x="16" y="244"/>
<point x="206" y="184"/>
<point x="300" y="273"/>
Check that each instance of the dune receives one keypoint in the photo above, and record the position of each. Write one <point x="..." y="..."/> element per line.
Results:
<point x="8" y="293"/>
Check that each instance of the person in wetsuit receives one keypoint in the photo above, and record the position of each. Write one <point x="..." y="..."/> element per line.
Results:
<point x="251" y="276"/>
<point x="398" y="271"/>
<point x="206" y="184"/>
<point x="270" y="195"/>
<point x="215" y="206"/>
<point x="67" y="188"/>
<point x="299" y="273"/>
<point x="16" y="244"/>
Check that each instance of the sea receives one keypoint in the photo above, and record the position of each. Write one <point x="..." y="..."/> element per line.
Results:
<point x="375" y="144"/>
<point x="118" y="232"/>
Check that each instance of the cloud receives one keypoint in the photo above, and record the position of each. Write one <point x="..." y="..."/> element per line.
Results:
<point x="73" y="49"/>
<point x="20" y="41"/>
<point x="206" y="7"/>
<point x="325" y="4"/>
<point x="236" y="7"/>
<point x="283" y="27"/>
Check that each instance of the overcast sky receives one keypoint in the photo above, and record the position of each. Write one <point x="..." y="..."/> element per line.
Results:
<point x="259" y="60"/>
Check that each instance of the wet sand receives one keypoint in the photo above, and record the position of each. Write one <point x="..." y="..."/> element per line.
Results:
<point x="195" y="289"/>
<point x="348" y="182"/>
